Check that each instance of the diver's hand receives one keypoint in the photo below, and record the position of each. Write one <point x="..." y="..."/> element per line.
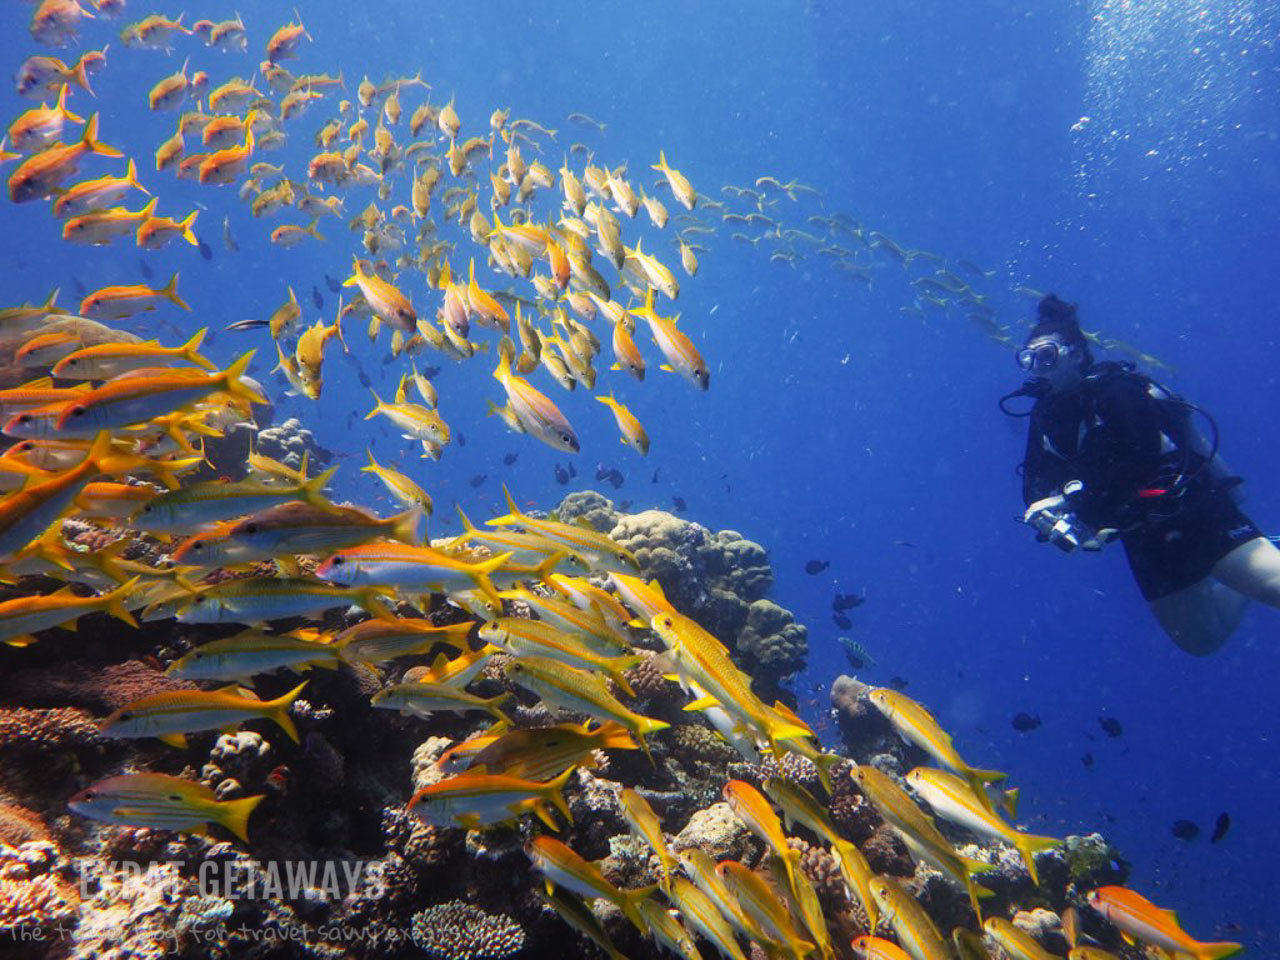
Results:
<point x="1038" y="514"/>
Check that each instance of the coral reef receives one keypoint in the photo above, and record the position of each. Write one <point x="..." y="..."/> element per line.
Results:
<point x="459" y="931"/>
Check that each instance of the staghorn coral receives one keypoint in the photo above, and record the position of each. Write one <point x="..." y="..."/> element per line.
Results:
<point x="772" y="642"/>
<point x="459" y="931"/>
<point x="24" y="730"/>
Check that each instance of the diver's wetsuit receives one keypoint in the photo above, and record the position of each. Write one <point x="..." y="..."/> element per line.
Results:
<point x="1110" y="435"/>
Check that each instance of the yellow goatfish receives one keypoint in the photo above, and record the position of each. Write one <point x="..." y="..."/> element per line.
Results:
<point x="170" y="715"/>
<point x="765" y="908"/>
<point x="534" y="411"/>
<point x="399" y="486"/>
<point x="387" y="302"/>
<point x="680" y="186"/>
<point x="106" y="360"/>
<point x="1017" y="944"/>
<point x="952" y="797"/>
<point x="918" y="831"/>
<point x="477" y="800"/>
<point x="562" y="868"/>
<point x="646" y="827"/>
<point x="570" y="689"/>
<point x="682" y="356"/>
<point x="874" y="948"/>
<point x="42" y="173"/>
<point x="23" y="616"/>
<point x="916" y="725"/>
<point x="750" y="806"/>
<point x="161" y="802"/>
<point x="604" y="554"/>
<point x="911" y="924"/>
<point x="541" y="753"/>
<point x="633" y="434"/>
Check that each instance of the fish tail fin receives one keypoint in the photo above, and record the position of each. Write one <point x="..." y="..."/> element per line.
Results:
<point x="62" y="106"/>
<point x="467" y="525"/>
<point x="131" y="177"/>
<point x="311" y="229"/>
<point x="629" y="903"/>
<point x="661" y="165"/>
<point x="555" y="793"/>
<point x="1028" y="845"/>
<point x="378" y="405"/>
<point x="502" y="373"/>
<point x="191" y="349"/>
<point x="80" y="77"/>
<point x="493" y="705"/>
<point x="278" y="710"/>
<point x="91" y="141"/>
<point x="646" y="726"/>
<point x="234" y="814"/>
<point x="1218" y="951"/>
<point x="355" y="273"/>
<point x="617" y="667"/>
<point x="485" y="585"/>
<point x="236" y="386"/>
<point x="978" y="780"/>
<point x="170" y="292"/>
<point x="405" y="526"/>
<point x="547" y="567"/>
<point x="513" y="514"/>
<point x="113" y="602"/>
<point x="185" y="224"/>
<point x="614" y="736"/>
<point x="313" y="489"/>
<point x="1009" y="801"/>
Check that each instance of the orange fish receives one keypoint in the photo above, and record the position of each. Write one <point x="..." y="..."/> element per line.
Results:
<point x="1140" y="919"/>
<point x="39" y="175"/>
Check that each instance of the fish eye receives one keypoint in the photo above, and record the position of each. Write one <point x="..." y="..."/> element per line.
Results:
<point x="77" y="411"/>
<point x="24" y="418"/>
<point x="251" y="528"/>
<point x="197" y="600"/>
<point x="198" y="655"/>
<point x="126" y="716"/>
<point x="337" y="562"/>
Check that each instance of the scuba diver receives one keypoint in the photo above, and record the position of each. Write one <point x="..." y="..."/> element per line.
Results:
<point x="1111" y="454"/>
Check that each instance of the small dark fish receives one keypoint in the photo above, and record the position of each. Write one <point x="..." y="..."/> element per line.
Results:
<point x="462" y="439"/>
<point x="573" y="471"/>
<point x="1026" y="722"/>
<point x="430" y="372"/>
<point x="510" y="458"/>
<point x="655" y="476"/>
<point x="1185" y="830"/>
<point x="206" y="251"/>
<point x="847" y="601"/>
<point x="562" y="476"/>
<point x="856" y="654"/>
<point x="1111" y="727"/>
<point x="1220" y="827"/>
<point x="81" y="290"/>
<point x="841" y="621"/>
<point x="898" y="683"/>
<point x="316" y="298"/>
<point x="1087" y="759"/>
<point x="250" y="324"/>
<point x="146" y="269"/>
<point x="904" y="543"/>
<point x="815" y="567"/>
<point x="364" y="378"/>
<point x="625" y="506"/>
<point x="610" y="475"/>
<point x="335" y="286"/>
<point x="478" y="479"/>
<point x="228" y="240"/>
<point x="681" y="506"/>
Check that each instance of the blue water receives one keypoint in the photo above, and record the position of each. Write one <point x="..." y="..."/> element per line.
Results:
<point x="1122" y="155"/>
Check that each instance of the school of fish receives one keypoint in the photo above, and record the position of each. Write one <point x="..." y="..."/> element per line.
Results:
<point x="109" y="424"/>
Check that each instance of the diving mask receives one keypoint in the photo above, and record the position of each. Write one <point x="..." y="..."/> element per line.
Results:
<point x="1043" y="356"/>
